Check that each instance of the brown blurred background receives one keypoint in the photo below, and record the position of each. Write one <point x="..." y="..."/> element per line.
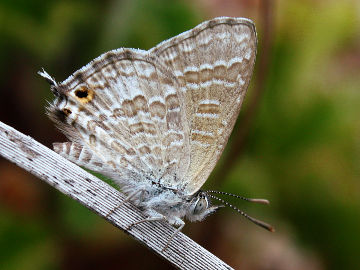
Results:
<point x="296" y="142"/>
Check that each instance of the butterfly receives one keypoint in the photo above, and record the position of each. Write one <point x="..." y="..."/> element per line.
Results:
<point x="157" y="121"/>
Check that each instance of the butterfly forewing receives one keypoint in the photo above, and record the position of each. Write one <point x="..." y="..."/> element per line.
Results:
<point x="213" y="63"/>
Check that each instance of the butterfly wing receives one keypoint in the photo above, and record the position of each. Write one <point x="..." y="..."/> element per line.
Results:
<point x="213" y="63"/>
<point x="127" y="112"/>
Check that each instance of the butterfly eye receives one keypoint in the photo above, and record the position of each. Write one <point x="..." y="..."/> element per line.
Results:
<point x="201" y="205"/>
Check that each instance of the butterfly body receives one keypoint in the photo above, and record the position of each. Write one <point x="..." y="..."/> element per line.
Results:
<point x="157" y="121"/>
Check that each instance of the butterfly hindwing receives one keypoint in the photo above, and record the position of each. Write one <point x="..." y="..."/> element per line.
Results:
<point x="128" y="110"/>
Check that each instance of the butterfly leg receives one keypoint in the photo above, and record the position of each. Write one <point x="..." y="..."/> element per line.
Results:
<point x="152" y="215"/>
<point x="128" y="198"/>
<point x="159" y="218"/>
<point x="178" y="222"/>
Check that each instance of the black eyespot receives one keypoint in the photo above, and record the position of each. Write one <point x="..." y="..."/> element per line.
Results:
<point x="60" y="115"/>
<point x="67" y="112"/>
<point x="82" y="93"/>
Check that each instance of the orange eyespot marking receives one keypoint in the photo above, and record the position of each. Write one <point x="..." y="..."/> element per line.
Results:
<point x="84" y="94"/>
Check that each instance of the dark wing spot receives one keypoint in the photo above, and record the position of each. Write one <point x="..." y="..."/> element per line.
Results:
<point x="84" y="94"/>
<point x="231" y="21"/>
<point x="111" y="57"/>
<point x="128" y="55"/>
<point x="81" y="93"/>
<point x="60" y="115"/>
<point x="211" y="24"/>
<point x="80" y="77"/>
<point x="67" y="111"/>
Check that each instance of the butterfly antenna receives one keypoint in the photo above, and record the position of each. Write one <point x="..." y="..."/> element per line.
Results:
<point x="254" y="220"/>
<point x="262" y="201"/>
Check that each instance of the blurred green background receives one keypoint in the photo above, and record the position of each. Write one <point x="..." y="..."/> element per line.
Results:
<point x="296" y="142"/>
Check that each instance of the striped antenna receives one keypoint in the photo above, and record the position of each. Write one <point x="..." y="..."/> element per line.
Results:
<point x="254" y="220"/>
<point x="262" y="201"/>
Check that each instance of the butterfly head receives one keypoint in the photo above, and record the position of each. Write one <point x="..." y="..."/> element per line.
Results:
<point x="200" y="207"/>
